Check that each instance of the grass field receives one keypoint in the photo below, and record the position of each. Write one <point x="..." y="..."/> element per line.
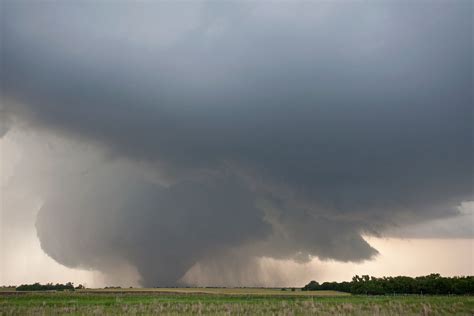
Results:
<point x="207" y="301"/>
<point x="226" y="291"/>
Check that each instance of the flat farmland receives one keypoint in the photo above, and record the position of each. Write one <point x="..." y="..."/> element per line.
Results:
<point x="220" y="291"/>
<point x="228" y="301"/>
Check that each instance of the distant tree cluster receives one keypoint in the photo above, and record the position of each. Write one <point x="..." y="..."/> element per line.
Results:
<point x="47" y="287"/>
<point x="431" y="284"/>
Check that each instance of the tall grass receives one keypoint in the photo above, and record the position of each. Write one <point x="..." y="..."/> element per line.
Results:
<point x="192" y="304"/>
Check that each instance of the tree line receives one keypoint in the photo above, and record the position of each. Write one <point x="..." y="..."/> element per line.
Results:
<point x="69" y="286"/>
<point x="433" y="284"/>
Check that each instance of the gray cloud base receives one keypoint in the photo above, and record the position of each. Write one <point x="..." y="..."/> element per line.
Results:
<point x="345" y="118"/>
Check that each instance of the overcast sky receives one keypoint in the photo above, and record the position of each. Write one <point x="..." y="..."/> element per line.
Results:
<point x="155" y="143"/>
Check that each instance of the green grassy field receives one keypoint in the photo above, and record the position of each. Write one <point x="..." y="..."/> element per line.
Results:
<point x="226" y="291"/>
<point x="227" y="301"/>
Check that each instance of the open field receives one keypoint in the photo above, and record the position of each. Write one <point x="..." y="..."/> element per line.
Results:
<point x="227" y="301"/>
<point x="226" y="291"/>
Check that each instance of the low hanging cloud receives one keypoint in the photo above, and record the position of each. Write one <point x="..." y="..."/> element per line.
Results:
<point x="282" y="130"/>
<point x="159" y="230"/>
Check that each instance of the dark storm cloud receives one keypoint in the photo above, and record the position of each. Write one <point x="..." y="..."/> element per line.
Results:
<point x="344" y="117"/>
<point x="161" y="231"/>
